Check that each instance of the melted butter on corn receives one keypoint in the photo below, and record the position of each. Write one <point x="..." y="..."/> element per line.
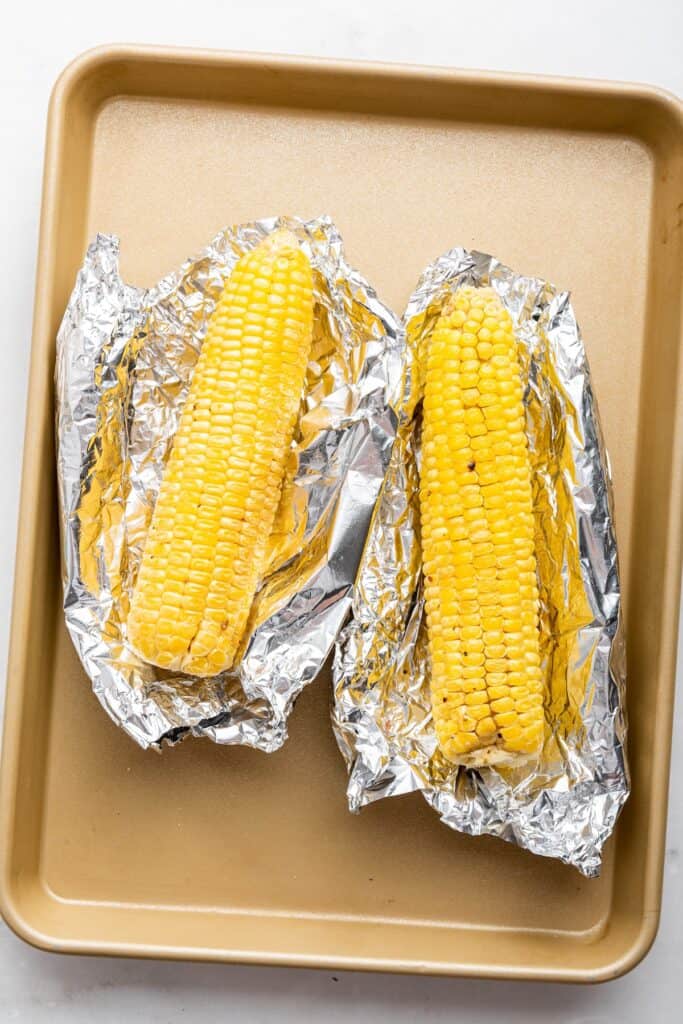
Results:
<point x="478" y="538"/>
<point x="207" y="543"/>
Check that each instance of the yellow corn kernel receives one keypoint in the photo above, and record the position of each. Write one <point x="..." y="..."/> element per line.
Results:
<point x="207" y="542"/>
<point x="477" y="538"/>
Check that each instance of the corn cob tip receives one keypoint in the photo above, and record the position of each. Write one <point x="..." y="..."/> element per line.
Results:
<point x="492" y="756"/>
<point x="280" y="239"/>
<point x="480" y="296"/>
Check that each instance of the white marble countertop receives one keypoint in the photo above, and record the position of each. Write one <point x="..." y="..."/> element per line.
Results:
<point x="619" y="39"/>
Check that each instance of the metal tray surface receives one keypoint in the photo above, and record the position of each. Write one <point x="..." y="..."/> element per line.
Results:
<point x="227" y="854"/>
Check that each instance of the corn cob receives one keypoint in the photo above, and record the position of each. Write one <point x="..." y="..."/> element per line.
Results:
<point x="207" y="542"/>
<point x="478" y="538"/>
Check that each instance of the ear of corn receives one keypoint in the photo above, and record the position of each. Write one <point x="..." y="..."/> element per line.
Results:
<point x="207" y="542"/>
<point x="478" y="538"/>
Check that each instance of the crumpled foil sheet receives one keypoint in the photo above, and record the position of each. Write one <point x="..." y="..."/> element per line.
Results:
<point x="566" y="805"/>
<point x="124" y="361"/>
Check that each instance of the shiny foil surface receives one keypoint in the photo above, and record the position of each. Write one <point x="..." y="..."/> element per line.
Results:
<point x="124" y="361"/>
<point x="566" y="805"/>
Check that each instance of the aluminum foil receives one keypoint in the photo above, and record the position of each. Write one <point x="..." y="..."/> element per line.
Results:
<point x="566" y="805"/>
<point x="124" y="360"/>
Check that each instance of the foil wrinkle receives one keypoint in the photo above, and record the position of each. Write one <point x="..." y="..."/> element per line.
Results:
<point x="125" y="357"/>
<point x="566" y="805"/>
